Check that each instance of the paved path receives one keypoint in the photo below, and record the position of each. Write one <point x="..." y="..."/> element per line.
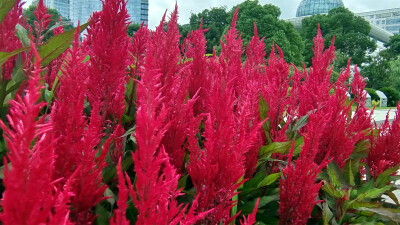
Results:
<point x="380" y="115"/>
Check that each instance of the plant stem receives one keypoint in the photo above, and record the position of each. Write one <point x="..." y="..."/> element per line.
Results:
<point x="3" y="91"/>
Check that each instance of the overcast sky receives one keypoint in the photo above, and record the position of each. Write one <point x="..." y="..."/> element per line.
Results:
<point x="288" y="7"/>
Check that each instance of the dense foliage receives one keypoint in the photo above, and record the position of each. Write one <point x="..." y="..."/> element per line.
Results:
<point x="351" y="34"/>
<point x="114" y="129"/>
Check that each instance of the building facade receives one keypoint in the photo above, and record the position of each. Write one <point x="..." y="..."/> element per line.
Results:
<point x="81" y="10"/>
<point x="62" y="6"/>
<point x="388" y="19"/>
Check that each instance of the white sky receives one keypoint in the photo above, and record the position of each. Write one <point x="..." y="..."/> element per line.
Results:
<point x="288" y="7"/>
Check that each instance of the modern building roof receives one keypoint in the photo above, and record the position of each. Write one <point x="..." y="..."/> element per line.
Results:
<point x="313" y="7"/>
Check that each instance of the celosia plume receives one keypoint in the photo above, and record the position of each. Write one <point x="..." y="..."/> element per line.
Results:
<point x="298" y="189"/>
<point x="385" y="151"/>
<point x="107" y="43"/>
<point x="43" y="19"/>
<point x="78" y="138"/>
<point x="9" y="40"/>
<point x="30" y="196"/>
<point x="119" y="213"/>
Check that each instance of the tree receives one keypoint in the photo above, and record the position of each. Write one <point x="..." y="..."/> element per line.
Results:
<point x="215" y="19"/>
<point x="271" y="27"/>
<point x="378" y="72"/>
<point x="30" y="18"/>
<point x="132" y="28"/>
<point x="351" y="34"/>
<point x="392" y="47"/>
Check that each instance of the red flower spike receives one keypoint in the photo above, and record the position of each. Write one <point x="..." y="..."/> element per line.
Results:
<point x="361" y="122"/>
<point x="251" y="219"/>
<point x="385" y="151"/>
<point x="298" y="190"/>
<point x="31" y="153"/>
<point x="195" y="49"/>
<point x="276" y="93"/>
<point x="313" y="92"/>
<point x="106" y="43"/>
<point x="228" y="132"/>
<point x="77" y="138"/>
<point x="43" y="19"/>
<point x="156" y="179"/>
<point x="119" y="213"/>
<point x="9" y="40"/>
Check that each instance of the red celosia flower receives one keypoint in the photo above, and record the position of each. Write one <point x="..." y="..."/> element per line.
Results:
<point x="276" y="93"/>
<point x="195" y="50"/>
<point x="251" y="219"/>
<point x="385" y="151"/>
<point x="8" y="39"/>
<point x="43" y="19"/>
<point x="156" y="179"/>
<point x="119" y="214"/>
<point x="29" y="196"/>
<point x="77" y="139"/>
<point x="107" y="44"/>
<point x="298" y="190"/>
<point x="361" y="121"/>
<point x="337" y="140"/>
<point x="54" y="66"/>
<point x="313" y="92"/>
<point x="228" y="132"/>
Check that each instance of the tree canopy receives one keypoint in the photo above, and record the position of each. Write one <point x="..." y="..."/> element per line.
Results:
<point x="215" y="19"/>
<point x="271" y="27"/>
<point x="351" y="34"/>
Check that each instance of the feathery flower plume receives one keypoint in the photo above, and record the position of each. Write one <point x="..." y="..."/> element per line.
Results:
<point x="43" y="19"/>
<point x="77" y="139"/>
<point x="195" y="49"/>
<point x="106" y="43"/>
<point x="276" y="93"/>
<point x="251" y="219"/>
<point x="385" y="151"/>
<point x="313" y="92"/>
<point x="119" y="213"/>
<point x="29" y="182"/>
<point x="8" y="39"/>
<point x="298" y="190"/>
<point x="227" y="133"/>
<point x="156" y="179"/>
<point x="361" y="121"/>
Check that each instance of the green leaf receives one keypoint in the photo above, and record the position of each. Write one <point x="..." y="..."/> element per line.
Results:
<point x="384" y="178"/>
<point x="22" y="34"/>
<point x="112" y="172"/>
<point x="332" y="191"/>
<point x="263" y="108"/>
<point x="275" y="147"/>
<point x="269" y="180"/>
<point x="5" y="7"/>
<point x="56" y="45"/>
<point x="327" y="214"/>
<point x="281" y="147"/>
<point x="391" y="214"/>
<point x="4" y="56"/>
<point x="103" y="216"/>
<point x="182" y="181"/>
<point x="336" y="175"/>
<point x="374" y="193"/>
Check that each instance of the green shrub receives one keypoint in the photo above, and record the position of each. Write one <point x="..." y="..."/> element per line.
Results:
<point x="392" y="94"/>
<point x="375" y="103"/>
<point x="373" y="94"/>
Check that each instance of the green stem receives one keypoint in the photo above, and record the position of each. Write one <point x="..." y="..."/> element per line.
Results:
<point x="3" y="91"/>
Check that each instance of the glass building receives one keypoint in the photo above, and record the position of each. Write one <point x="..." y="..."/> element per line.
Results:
<point x="62" y="6"/>
<point x="388" y="19"/>
<point x="81" y="10"/>
<point x="313" y="7"/>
